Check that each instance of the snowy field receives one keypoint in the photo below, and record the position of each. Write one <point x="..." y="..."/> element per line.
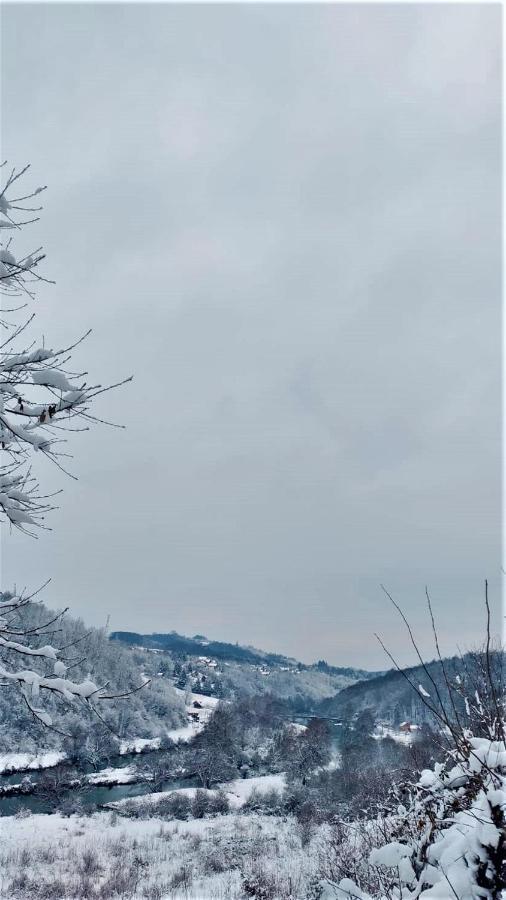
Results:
<point x="237" y="792"/>
<point x="105" y="855"/>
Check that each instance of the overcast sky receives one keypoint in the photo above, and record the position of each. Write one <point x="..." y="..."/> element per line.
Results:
<point x="285" y="222"/>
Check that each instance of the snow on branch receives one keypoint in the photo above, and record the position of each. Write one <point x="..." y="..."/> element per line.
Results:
<point x="53" y="680"/>
<point x="451" y="840"/>
<point x="40" y="395"/>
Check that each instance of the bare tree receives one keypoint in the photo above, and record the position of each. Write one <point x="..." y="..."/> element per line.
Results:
<point x="448" y="837"/>
<point x="474" y="700"/>
<point x="43" y="398"/>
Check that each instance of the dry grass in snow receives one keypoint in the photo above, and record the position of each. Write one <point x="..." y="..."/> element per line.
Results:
<point x="106" y="856"/>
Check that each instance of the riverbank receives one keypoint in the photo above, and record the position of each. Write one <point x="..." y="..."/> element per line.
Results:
<point x="10" y="763"/>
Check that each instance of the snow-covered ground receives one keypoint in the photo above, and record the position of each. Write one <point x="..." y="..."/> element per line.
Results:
<point x="237" y="791"/>
<point x="186" y="732"/>
<point x="197" y="718"/>
<point x="401" y="737"/>
<point x="138" y="745"/>
<point x="190" y="698"/>
<point x="202" y="711"/>
<point x="124" y="775"/>
<point x="205" y="859"/>
<point x="24" y="762"/>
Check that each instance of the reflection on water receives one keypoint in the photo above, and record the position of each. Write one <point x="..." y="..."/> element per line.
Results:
<point x="89" y="797"/>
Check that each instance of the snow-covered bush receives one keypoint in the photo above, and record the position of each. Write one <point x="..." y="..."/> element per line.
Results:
<point x="451" y="840"/>
<point x="447" y="838"/>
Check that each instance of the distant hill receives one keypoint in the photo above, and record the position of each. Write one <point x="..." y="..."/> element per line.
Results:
<point x="229" y="670"/>
<point x="195" y="646"/>
<point x="178" y="643"/>
<point x="391" y="699"/>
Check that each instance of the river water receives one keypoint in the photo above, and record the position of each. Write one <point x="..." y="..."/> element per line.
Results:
<point x="91" y="796"/>
<point x="94" y="796"/>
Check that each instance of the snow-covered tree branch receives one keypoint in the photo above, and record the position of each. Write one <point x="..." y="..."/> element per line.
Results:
<point x="448" y="839"/>
<point x="41" y="394"/>
<point x="42" y="397"/>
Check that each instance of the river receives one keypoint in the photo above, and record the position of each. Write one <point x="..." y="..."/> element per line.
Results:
<point x="93" y="796"/>
<point x="90" y="796"/>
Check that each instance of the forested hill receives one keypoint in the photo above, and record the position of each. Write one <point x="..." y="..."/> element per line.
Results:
<point x="145" y="713"/>
<point x="198" y="645"/>
<point x="391" y="698"/>
<point x="231" y="670"/>
<point x="178" y="643"/>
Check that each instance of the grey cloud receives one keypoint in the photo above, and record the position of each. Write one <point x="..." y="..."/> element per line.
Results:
<point x="286" y="222"/>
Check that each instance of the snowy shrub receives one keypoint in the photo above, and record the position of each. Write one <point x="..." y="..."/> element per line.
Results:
<point x="179" y="806"/>
<point x="200" y="804"/>
<point x="89" y="862"/>
<point x="305" y="831"/>
<point x="451" y="840"/>
<point x="73" y="806"/>
<point x="261" y="886"/>
<point x="182" y="879"/>
<point x="23" y="813"/>
<point x="219" y="803"/>
<point x="175" y="805"/>
<point x="254" y="801"/>
<point x="270" y="802"/>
